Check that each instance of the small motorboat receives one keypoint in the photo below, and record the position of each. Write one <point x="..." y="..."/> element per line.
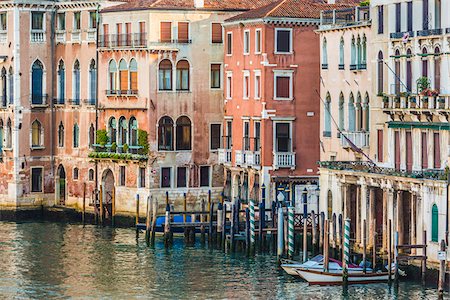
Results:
<point x="329" y="278"/>
<point x="316" y="263"/>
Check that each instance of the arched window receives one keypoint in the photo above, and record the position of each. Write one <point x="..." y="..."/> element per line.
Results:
<point x="92" y="83"/>
<point x="351" y="113"/>
<point x="61" y="88"/>
<point x="132" y="124"/>
<point x="112" y="130"/>
<point x="165" y="75"/>
<point x="75" y="173"/>
<point x="366" y="113"/>
<point x="37" y="83"/>
<point x="183" y="133"/>
<point x="380" y="70"/>
<point x="61" y="135"/>
<point x="11" y="85"/>
<point x="397" y="72"/>
<point x="76" y="94"/>
<point x="341" y="112"/>
<point x="358" y="113"/>
<point x="358" y="52"/>
<point x="76" y="136"/>
<point x="36" y="134"/>
<point x="364" y="53"/>
<point x="4" y="87"/>
<point x="408" y="70"/>
<point x="165" y="134"/>
<point x="133" y="76"/>
<point x="324" y="54"/>
<point x="434" y="223"/>
<point x="341" y="54"/>
<point x="353" y="52"/>
<point x="91" y="135"/>
<point x="437" y="69"/>
<point x="1" y="135"/>
<point x="122" y="131"/>
<point x="327" y="116"/>
<point x="183" y="75"/>
<point x="424" y="62"/>
<point x="123" y="77"/>
<point x="112" y="70"/>
<point x="91" y="176"/>
<point x="8" y="134"/>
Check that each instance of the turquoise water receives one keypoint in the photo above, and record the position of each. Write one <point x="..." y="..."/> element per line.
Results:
<point x="55" y="260"/>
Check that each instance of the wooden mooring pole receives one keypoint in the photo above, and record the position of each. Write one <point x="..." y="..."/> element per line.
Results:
<point x="374" y="246"/>
<point x="305" y="237"/>
<point x="101" y="205"/>
<point x="441" y="272"/>
<point x="219" y="224"/>
<point x="326" y="246"/>
<point x="252" y="225"/>
<point x="424" y="260"/>
<point x="153" y="226"/>
<point x="167" y="230"/>
<point x="365" y="246"/>
<point x="389" y="250"/>
<point x="147" y="218"/>
<point x="202" y="220"/>
<point x="346" y="254"/>
<point x="84" y="204"/>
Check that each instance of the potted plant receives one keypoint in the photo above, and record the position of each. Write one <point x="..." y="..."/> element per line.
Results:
<point x="397" y="102"/>
<point x="125" y="148"/>
<point x="441" y="102"/>
<point x="113" y="147"/>
<point x="423" y="83"/>
<point x="385" y="101"/>
<point x="101" y="139"/>
<point x="412" y="102"/>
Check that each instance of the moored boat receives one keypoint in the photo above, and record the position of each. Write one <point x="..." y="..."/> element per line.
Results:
<point x="316" y="277"/>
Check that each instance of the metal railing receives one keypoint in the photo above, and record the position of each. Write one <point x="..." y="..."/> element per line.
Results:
<point x="345" y="17"/>
<point x="224" y="156"/>
<point x="360" y="139"/>
<point x="428" y="32"/>
<point x="3" y="36"/>
<point x="401" y="35"/>
<point x="57" y="101"/>
<point x="121" y="92"/>
<point x="133" y="40"/>
<point x="416" y="102"/>
<point x="284" y="160"/>
<point x="39" y="99"/>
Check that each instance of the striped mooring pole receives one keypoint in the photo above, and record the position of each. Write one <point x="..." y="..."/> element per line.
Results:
<point x="291" y="231"/>
<point x="280" y="233"/>
<point x="252" y="225"/>
<point x="346" y="250"/>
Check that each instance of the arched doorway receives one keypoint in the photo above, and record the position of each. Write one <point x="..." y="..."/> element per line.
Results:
<point x="62" y="185"/>
<point x="107" y="192"/>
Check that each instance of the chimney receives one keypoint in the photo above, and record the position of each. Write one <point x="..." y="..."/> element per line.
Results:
<point x="199" y="3"/>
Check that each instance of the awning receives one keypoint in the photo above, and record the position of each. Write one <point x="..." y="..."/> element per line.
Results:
<point x="419" y="125"/>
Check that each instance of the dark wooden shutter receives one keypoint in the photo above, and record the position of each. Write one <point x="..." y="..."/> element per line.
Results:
<point x="409" y="153"/>
<point x="133" y="81"/>
<point x="424" y="151"/>
<point x="437" y="151"/>
<point x="425" y="15"/>
<point x="166" y="32"/>
<point x="216" y="33"/>
<point x="119" y="34"/>
<point x="410" y="15"/>
<point x="398" y="17"/>
<point x="380" y="19"/>
<point x="380" y="145"/>
<point x="282" y="87"/>
<point x="123" y="80"/>
<point x="397" y="150"/>
<point x="183" y="32"/>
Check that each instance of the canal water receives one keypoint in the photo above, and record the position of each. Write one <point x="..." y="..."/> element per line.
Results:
<point x="42" y="260"/>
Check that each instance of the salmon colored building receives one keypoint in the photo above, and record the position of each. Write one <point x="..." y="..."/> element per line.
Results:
<point x="271" y="125"/>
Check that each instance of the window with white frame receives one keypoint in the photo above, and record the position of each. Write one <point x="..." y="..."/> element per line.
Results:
<point x="181" y="177"/>
<point x="283" y="85"/>
<point x="257" y="84"/>
<point x="229" y="43"/>
<point x="283" y="140"/>
<point x="215" y="76"/>
<point x="37" y="20"/>
<point x="36" y="179"/>
<point x="215" y="136"/>
<point x="229" y="85"/>
<point x="141" y="177"/>
<point x="258" y="41"/>
<point x="76" y="21"/>
<point x="92" y="20"/>
<point x="246" y="41"/>
<point x="3" y="23"/>
<point x="283" y="40"/>
<point x="246" y="85"/>
<point x="122" y="174"/>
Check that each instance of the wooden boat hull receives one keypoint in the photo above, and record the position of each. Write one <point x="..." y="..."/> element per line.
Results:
<point x="328" y="278"/>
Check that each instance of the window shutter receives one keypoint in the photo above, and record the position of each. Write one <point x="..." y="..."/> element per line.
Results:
<point x="123" y="80"/>
<point x="409" y="153"/>
<point x="397" y="150"/>
<point x="133" y="79"/>
<point x="283" y="87"/>
<point x="183" y="32"/>
<point x="166" y="32"/>
<point x="380" y="145"/>
<point x="216" y="33"/>
<point x="437" y="151"/>
<point x="424" y="151"/>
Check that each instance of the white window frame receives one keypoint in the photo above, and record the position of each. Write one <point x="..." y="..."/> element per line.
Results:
<point x="221" y="77"/>
<point x="229" y="87"/>
<point x="139" y="181"/>
<point x="210" y="33"/>
<point x="257" y="91"/>
<point x="245" y="88"/>
<point x="254" y="133"/>
<point x="161" y="177"/>
<point x="258" y="31"/>
<point x="120" y="176"/>
<point x="283" y="73"/>
<point x="290" y="41"/>
<point x="6" y="20"/>
<point x="43" y="30"/>
<point x="175" y="30"/>
<point x="283" y="121"/>
<point x="200" y="176"/>
<point x="245" y="120"/>
<point x="246" y="42"/>
<point x="220" y="137"/>
<point x="229" y="33"/>
<point x="31" y="180"/>
<point x="74" y="21"/>
<point x="73" y="174"/>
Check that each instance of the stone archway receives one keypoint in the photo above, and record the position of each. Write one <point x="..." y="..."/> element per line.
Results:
<point x="61" y="185"/>
<point x="107" y="192"/>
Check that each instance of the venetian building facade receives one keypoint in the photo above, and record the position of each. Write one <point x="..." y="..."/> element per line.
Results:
<point x="271" y="122"/>
<point x="162" y="79"/>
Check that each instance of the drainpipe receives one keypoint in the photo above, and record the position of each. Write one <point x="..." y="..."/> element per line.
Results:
<point x="52" y="109"/>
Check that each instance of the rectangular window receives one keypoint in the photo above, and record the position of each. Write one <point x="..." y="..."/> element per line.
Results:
<point x="258" y="41"/>
<point x="92" y="19"/>
<point x="257" y="140"/>
<point x="425" y="15"/>
<point x="246" y="89"/>
<point x="166" y="32"/>
<point x="216" y="33"/>
<point x="37" y="20"/>
<point x="77" y="20"/>
<point x="229" y="43"/>
<point x="229" y="86"/>
<point x="183" y="32"/>
<point x="75" y="174"/>
<point x="215" y="134"/>
<point x="397" y="149"/>
<point x="166" y="177"/>
<point x="61" y="21"/>
<point x="246" y="42"/>
<point x="283" y="137"/>
<point x="398" y="17"/>
<point x="228" y="137"/>
<point x="142" y="177"/>
<point x="437" y="150"/>
<point x="246" y="134"/>
<point x="283" y="87"/>
<point x="380" y="19"/>
<point x="283" y="40"/>
<point x="410" y="15"/>
<point x="257" y="86"/>
<point x="3" y="24"/>
<point x="409" y="153"/>
<point x="36" y="180"/>
<point x="424" y="150"/>
<point x="205" y="176"/>
<point x="215" y="76"/>
<point x="181" y="177"/>
<point x="380" y="145"/>
<point x="122" y="176"/>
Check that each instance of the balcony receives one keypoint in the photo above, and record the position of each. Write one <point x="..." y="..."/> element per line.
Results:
<point x="362" y="66"/>
<point x="92" y="35"/>
<point x="401" y="35"/>
<point x="353" y="67"/>
<point x="57" y="101"/>
<point x="37" y="36"/>
<point x="284" y="160"/>
<point x="415" y="103"/>
<point x="429" y="32"/>
<point x="360" y="139"/>
<point x="359" y="15"/>
<point x="324" y="66"/>
<point x="74" y="102"/>
<point x="253" y="158"/>
<point x="111" y="93"/>
<point x="341" y="67"/>
<point x="38" y="100"/>
<point x="447" y="30"/>
<point x="76" y="36"/>
<point x="129" y="40"/>
<point x="118" y="152"/>
<point x="90" y="102"/>
<point x="240" y="158"/>
<point x="3" y="36"/>
<point x="224" y="156"/>
<point x="60" y="36"/>
<point x="176" y="41"/>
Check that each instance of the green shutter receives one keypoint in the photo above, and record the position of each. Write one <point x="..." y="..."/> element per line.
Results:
<point x="434" y="223"/>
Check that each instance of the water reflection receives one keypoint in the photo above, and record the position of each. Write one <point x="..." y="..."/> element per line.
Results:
<point x="51" y="260"/>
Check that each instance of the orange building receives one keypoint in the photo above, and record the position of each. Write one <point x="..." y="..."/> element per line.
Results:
<point x="271" y="126"/>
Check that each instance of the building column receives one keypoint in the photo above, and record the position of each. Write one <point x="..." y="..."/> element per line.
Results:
<point x="399" y="217"/>
<point x="372" y="216"/>
<point x="413" y="231"/>
<point x="362" y="214"/>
